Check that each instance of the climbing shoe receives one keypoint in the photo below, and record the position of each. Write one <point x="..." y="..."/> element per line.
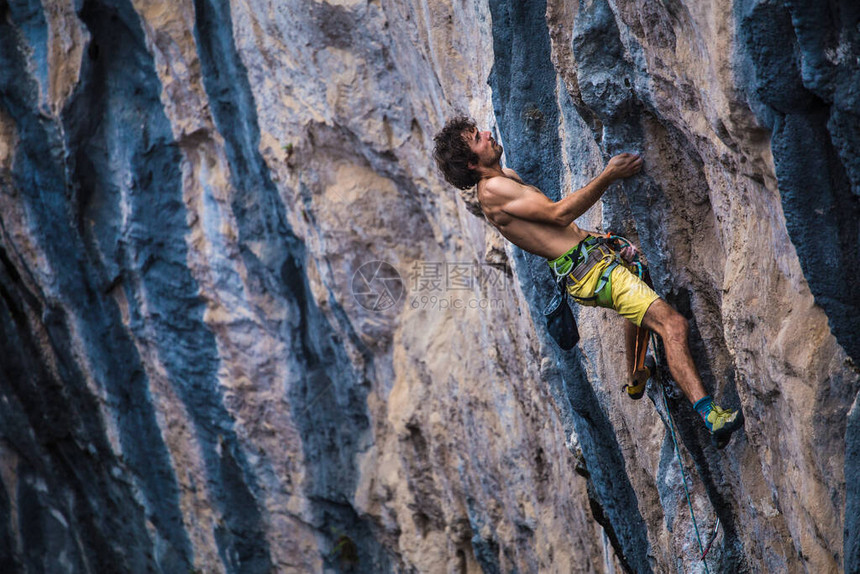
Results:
<point x="722" y="423"/>
<point x="636" y="388"/>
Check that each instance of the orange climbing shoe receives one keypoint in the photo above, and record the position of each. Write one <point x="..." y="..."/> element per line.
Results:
<point x="636" y="388"/>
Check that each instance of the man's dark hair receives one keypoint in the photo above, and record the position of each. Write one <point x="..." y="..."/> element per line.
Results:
<point x="453" y="154"/>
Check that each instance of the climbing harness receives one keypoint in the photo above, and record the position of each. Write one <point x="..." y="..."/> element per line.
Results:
<point x="586" y="256"/>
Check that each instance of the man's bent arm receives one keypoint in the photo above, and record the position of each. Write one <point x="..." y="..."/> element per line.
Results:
<point x="524" y="202"/>
<point x="571" y="207"/>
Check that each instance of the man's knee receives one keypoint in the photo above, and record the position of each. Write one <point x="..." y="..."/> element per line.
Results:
<point x="677" y="327"/>
<point x="667" y="322"/>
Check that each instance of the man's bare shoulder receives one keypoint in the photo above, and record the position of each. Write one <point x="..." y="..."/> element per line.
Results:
<point x="512" y="174"/>
<point x="499" y="185"/>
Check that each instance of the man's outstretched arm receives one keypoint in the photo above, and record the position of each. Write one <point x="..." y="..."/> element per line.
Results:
<point x="525" y="203"/>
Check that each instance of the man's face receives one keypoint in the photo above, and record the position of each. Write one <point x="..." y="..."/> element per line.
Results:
<point x="484" y="146"/>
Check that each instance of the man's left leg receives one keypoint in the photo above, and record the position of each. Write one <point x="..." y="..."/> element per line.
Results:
<point x="640" y="367"/>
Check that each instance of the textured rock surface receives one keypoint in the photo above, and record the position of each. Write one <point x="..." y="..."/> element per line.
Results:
<point x="193" y="376"/>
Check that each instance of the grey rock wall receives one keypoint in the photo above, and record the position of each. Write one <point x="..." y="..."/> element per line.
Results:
<point x="205" y="367"/>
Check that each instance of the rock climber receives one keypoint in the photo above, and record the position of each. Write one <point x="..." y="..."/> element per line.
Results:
<point x="529" y="219"/>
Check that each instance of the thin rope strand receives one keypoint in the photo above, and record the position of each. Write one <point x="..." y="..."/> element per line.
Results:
<point x="680" y="463"/>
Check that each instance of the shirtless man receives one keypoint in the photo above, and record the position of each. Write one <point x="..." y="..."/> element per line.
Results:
<point x="529" y="219"/>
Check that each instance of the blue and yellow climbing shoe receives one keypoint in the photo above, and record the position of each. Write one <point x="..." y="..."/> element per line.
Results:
<point x="721" y="422"/>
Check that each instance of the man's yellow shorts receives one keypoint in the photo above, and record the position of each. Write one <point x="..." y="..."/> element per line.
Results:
<point x="625" y="292"/>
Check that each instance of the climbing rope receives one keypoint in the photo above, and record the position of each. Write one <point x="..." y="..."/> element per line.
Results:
<point x="671" y="422"/>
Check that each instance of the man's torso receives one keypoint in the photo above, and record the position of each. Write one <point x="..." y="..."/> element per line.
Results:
<point x="544" y="239"/>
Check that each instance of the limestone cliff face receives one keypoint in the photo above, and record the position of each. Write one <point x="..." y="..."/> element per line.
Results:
<point x="246" y="327"/>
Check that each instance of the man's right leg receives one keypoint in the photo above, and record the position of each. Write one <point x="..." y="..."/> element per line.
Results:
<point x="674" y="330"/>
